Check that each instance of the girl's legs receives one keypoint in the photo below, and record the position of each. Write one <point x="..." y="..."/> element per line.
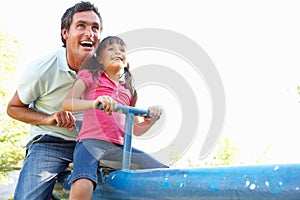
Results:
<point x="145" y="161"/>
<point x="82" y="189"/>
<point x="84" y="176"/>
<point x="86" y="160"/>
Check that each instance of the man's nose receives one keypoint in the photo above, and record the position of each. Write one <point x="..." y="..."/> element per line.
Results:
<point x="89" y="32"/>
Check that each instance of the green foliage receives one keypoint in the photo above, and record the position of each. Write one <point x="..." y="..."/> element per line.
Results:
<point x="298" y="91"/>
<point x="226" y="153"/>
<point x="12" y="133"/>
<point x="12" y="140"/>
<point x="9" y="52"/>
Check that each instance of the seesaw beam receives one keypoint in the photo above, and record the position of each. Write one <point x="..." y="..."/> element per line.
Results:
<point x="235" y="182"/>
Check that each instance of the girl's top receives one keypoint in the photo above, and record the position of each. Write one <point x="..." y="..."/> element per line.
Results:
<point x="96" y="123"/>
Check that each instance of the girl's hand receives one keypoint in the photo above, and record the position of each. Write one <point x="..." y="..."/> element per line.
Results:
<point x="108" y="103"/>
<point x="155" y="112"/>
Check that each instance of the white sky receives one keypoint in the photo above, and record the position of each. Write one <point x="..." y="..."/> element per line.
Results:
<point x="255" y="46"/>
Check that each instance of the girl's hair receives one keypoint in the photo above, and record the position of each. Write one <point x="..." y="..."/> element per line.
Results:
<point x="97" y="69"/>
<point x="67" y="17"/>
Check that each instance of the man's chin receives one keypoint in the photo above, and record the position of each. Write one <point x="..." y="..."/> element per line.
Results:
<point x="87" y="54"/>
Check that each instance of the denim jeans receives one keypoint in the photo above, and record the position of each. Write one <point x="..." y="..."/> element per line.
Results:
<point x="88" y="152"/>
<point x="46" y="157"/>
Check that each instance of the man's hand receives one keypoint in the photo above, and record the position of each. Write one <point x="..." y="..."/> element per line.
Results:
<point x="62" y="119"/>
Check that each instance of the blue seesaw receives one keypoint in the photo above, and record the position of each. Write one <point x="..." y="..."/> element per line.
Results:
<point x="252" y="182"/>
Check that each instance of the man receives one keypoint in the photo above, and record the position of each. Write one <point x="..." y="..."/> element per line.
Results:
<point x="38" y="99"/>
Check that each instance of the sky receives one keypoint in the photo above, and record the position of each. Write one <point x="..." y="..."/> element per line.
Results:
<point x="254" y="46"/>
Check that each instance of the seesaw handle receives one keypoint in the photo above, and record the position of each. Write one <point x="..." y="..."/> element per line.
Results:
<point x="130" y="112"/>
<point x="129" y="109"/>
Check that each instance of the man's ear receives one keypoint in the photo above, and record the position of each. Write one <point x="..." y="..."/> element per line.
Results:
<point x="64" y="33"/>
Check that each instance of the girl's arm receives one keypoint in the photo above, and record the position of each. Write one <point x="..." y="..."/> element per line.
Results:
<point x="73" y="101"/>
<point x="142" y="127"/>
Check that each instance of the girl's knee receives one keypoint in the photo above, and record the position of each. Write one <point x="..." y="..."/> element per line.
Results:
<point x="82" y="189"/>
<point x="84" y="184"/>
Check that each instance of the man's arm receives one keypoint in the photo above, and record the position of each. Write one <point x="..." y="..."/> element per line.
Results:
<point x="20" y="111"/>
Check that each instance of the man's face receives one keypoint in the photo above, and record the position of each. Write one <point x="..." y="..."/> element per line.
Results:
<point x="83" y="36"/>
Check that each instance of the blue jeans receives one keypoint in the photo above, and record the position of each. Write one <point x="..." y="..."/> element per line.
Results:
<point x="46" y="157"/>
<point x="88" y="152"/>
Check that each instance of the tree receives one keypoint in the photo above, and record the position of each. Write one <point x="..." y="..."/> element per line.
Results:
<point x="12" y="133"/>
<point x="226" y="153"/>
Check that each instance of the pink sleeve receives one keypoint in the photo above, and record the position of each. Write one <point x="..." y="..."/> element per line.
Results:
<point x="86" y="76"/>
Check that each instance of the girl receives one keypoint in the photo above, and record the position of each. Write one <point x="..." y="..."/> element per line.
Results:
<point x="104" y="78"/>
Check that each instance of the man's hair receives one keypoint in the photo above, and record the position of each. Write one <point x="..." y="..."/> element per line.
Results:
<point x="66" y="19"/>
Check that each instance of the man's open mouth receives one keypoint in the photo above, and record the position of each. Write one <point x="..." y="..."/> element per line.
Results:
<point x="87" y="44"/>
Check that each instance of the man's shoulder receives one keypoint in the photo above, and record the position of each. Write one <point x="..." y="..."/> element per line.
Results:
<point x="54" y="55"/>
<point x="48" y="61"/>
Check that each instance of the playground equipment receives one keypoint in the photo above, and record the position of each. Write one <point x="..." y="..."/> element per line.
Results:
<point x="274" y="181"/>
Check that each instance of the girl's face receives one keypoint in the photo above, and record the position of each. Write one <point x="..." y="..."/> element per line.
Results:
<point x="113" y="57"/>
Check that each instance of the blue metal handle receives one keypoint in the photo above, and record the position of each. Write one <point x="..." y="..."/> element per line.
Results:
<point x="130" y="112"/>
<point x="129" y="109"/>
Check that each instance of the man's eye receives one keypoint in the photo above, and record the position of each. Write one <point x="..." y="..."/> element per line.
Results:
<point x="95" y="28"/>
<point x="80" y="26"/>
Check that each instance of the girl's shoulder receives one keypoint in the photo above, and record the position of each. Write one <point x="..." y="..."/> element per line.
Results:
<point x="84" y="72"/>
<point x="85" y="75"/>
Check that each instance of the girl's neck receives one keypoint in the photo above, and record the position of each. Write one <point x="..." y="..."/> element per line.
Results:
<point x="113" y="76"/>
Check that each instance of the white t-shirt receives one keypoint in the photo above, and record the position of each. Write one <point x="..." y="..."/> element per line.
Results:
<point x="44" y="84"/>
